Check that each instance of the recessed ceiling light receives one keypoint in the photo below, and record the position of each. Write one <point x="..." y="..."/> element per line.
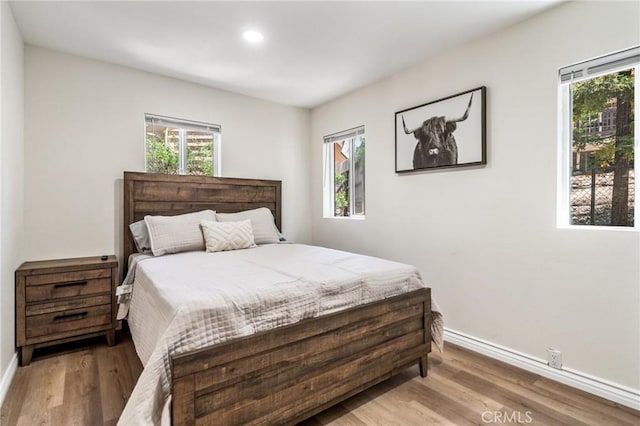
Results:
<point x="253" y="36"/>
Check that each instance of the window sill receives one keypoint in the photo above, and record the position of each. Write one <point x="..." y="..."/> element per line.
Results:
<point x="360" y="217"/>
<point x="600" y="228"/>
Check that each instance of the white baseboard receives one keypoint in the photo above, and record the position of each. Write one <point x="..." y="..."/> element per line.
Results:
<point x="612" y="391"/>
<point x="8" y="377"/>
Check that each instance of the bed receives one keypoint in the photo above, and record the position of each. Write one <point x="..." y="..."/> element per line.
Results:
<point x="269" y="371"/>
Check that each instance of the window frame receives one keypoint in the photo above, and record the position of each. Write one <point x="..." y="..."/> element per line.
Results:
<point x="328" y="199"/>
<point x="603" y="65"/>
<point x="184" y="126"/>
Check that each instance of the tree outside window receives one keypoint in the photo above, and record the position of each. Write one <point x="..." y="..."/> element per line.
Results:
<point x="344" y="174"/>
<point x="181" y="147"/>
<point x="603" y="178"/>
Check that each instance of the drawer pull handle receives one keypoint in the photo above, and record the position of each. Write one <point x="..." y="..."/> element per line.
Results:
<point x="77" y="315"/>
<point x="72" y="284"/>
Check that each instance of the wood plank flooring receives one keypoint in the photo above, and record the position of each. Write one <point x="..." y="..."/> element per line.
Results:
<point x="88" y="383"/>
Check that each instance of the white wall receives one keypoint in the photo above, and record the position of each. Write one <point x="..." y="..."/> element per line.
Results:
<point x="11" y="176"/>
<point x="485" y="239"/>
<point x="85" y="126"/>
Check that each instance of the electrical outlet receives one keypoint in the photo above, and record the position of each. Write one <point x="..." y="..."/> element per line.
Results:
<point x="554" y="358"/>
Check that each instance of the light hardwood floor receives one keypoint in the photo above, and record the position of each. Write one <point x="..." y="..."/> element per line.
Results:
<point x="89" y="382"/>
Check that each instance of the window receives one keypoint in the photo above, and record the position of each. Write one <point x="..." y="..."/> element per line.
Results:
<point x="344" y="174"/>
<point x="182" y="147"/>
<point x="599" y="141"/>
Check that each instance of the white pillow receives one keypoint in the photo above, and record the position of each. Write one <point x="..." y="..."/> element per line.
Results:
<point x="220" y="236"/>
<point x="264" y="227"/>
<point x="174" y="234"/>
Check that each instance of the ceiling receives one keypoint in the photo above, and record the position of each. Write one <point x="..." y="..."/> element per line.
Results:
<point x="312" y="51"/>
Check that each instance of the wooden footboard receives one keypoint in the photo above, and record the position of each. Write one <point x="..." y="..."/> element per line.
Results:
<point x="288" y="374"/>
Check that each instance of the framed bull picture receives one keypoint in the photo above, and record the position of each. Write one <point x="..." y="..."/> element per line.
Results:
<point x="449" y="132"/>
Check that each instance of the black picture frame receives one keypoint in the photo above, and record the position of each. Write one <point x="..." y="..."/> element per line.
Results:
<point x="445" y="133"/>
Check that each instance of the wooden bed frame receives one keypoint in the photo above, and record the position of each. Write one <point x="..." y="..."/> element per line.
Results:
<point x="288" y="374"/>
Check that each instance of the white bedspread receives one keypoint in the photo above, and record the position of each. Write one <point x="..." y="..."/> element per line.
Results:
<point x="186" y="301"/>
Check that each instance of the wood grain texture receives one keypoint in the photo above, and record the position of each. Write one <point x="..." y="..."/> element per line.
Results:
<point x="169" y="195"/>
<point x="275" y="361"/>
<point x="59" y="290"/>
<point x="63" y="305"/>
<point x="66" y="265"/>
<point x="67" y="320"/>
<point x="90" y="384"/>
<point x="60" y="300"/>
<point x="300" y="368"/>
<point x="66" y="276"/>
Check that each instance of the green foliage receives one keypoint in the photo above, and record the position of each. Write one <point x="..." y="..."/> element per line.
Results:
<point x="162" y="157"/>
<point x="200" y="159"/>
<point x="341" y="180"/>
<point x="590" y="98"/>
<point x="341" y="202"/>
<point x="604" y="157"/>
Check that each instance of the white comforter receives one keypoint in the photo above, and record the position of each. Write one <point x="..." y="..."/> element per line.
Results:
<point x="186" y="301"/>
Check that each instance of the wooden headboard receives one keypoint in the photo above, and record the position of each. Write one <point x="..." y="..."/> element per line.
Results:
<point x="169" y="195"/>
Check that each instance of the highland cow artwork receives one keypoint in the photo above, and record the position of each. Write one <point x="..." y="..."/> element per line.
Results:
<point x="449" y="132"/>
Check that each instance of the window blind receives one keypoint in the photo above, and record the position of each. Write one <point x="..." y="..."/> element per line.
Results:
<point x="346" y="134"/>
<point x="604" y="64"/>
<point x="160" y="120"/>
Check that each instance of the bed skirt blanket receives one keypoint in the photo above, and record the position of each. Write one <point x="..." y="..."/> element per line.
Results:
<point x="187" y="301"/>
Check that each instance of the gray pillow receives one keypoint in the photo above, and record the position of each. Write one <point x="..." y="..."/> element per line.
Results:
<point x="262" y="222"/>
<point x="140" y="235"/>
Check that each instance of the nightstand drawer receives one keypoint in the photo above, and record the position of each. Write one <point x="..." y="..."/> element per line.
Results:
<point x="65" y="321"/>
<point x="68" y="277"/>
<point x="66" y="305"/>
<point x="59" y="290"/>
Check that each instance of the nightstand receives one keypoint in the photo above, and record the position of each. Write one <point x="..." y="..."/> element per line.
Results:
<point x="58" y="301"/>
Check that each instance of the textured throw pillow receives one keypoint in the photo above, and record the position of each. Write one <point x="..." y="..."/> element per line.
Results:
<point x="140" y="235"/>
<point x="175" y="234"/>
<point x="219" y="236"/>
<point x="264" y="227"/>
